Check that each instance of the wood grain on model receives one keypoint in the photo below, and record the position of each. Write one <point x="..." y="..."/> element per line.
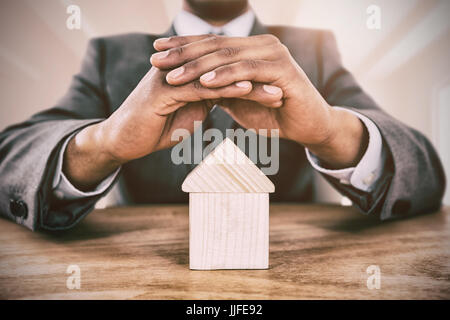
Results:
<point x="228" y="212"/>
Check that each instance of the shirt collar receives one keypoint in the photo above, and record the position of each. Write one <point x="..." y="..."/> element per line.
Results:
<point x="186" y="23"/>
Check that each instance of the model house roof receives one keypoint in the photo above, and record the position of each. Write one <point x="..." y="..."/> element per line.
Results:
<point x="227" y="169"/>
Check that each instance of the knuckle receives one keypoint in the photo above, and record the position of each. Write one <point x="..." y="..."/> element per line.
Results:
<point x="177" y="51"/>
<point x="197" y="85"/>
<point x="229" y="52"/>
<point x="271" y="38"/>
<point x="225" y="70"/>
<point x="172" y="39"/>
<point x="177" y="39"/>
<point x="251" y="64"/>
<point x="213" y="37"/>
<point x="191" y="65"/>
<point x="214" y="40"/>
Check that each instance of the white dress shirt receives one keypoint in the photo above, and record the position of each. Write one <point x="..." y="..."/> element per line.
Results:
<point x="363" y="177"/>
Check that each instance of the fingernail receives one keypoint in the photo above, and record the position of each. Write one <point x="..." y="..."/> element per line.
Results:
<point x="208" y="76"/>
<point x="243" y="84"/>
<point x="162" y="40"/>
<point x="161" y="55"/>
<point x="176" y="73"/>
<point x="271" y="89"/>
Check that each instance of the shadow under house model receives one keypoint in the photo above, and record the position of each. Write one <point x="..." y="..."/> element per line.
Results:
<point x="228" y="211"/>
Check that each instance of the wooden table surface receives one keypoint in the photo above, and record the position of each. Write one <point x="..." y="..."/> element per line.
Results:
<point x="316" y="251"/>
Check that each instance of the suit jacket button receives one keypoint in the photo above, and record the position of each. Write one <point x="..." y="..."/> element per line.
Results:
<point x="18" y="208"/>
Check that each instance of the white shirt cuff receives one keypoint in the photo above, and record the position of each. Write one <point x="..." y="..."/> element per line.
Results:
<point x="63" y="188"/>
<point x="369" y="169"/>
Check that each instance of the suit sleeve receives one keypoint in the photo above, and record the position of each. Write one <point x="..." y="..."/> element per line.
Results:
<point x="29" y="151"/>
<point x="413" y="179"/>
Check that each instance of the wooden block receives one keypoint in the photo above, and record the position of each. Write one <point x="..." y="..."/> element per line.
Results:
<point x="228" y="231"/>
<point x="228" y="211"/>
<point x="227" y="169"/>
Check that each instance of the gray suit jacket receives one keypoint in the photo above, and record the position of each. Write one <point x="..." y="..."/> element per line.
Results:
<point x="413" y="181"/>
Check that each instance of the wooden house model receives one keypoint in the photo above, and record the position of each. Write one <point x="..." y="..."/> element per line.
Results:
<point x="228" y="211"/>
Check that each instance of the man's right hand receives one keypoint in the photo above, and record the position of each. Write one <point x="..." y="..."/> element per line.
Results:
<point x="145" y="121"/>
<point x="141" y="125"/>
